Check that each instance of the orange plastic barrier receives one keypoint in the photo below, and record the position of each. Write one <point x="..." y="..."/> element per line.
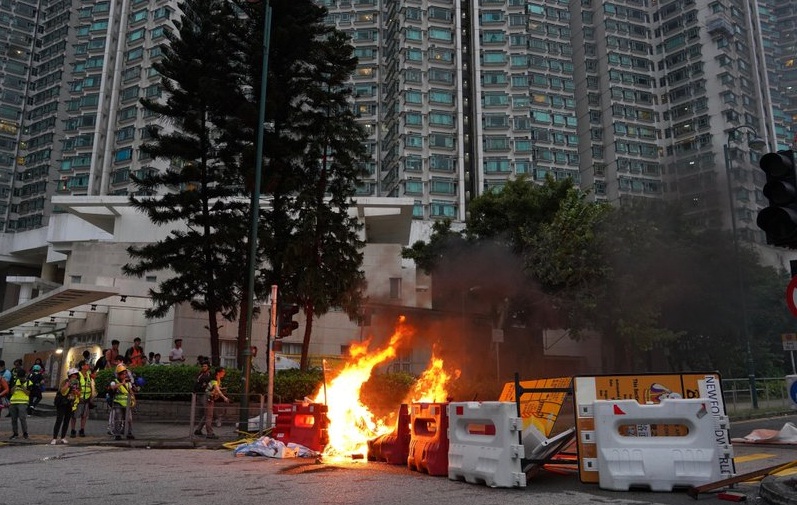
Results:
<point x="429" y="438"/>
<point x="302" y="423"/>
<point x="393" y="448"/>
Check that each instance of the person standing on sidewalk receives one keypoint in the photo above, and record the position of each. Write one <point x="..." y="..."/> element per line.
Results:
<point x="84" y="398"/>
<point x="20" y="395"/>
<point x="111" y="354"/>
<point x="176" y="354"/>
<point x="65" y="397"/>
<point x="36" y="378"/>
<point x="200" y="388"/>
<point x="213" y="394"/>
<point x="124" y="399"/>
<point x="135" y="355"/>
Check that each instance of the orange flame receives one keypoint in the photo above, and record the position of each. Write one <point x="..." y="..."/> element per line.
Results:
<point x="352" y="424"/>
<point x="432" y="386"/>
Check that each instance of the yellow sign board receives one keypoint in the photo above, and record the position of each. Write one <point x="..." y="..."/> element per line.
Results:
<point x="539" y="406"/>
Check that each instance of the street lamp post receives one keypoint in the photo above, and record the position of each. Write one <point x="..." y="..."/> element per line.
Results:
<point x="254" y="219"/>
<point x="756" y="144"/>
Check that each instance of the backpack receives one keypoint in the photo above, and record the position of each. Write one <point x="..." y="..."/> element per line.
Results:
<point x="36" y="378"/>
<point x="202" y="382"/>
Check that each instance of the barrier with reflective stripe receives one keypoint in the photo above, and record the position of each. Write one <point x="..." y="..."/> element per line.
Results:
<point x="428" y="438"/>
<point x="302" y="423"/>
<point x="659" y="446"/>
<point x="484" y="444"/>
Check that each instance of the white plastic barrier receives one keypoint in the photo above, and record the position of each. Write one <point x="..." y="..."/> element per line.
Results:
<point x="660" y="446"/>
<point x="484" y="447"/>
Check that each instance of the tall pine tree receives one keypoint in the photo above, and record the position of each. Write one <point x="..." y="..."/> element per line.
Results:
<point x="201" y="135"/>
<point x="315" y="153"/>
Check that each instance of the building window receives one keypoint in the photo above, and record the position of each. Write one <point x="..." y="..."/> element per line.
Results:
<point x="229" y="353"/>
<point x="395" y="288"/>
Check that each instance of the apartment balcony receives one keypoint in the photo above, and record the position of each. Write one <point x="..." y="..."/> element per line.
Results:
<point x="720" y="25"/>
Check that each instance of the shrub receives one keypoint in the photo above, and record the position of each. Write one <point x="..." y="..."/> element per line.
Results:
<point x="177" y="383"/>
<point x="383" y="393"/>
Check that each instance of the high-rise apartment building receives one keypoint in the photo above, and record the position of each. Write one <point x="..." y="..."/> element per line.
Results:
<point x="71" y="84"/>
<point x="630" y="98"/>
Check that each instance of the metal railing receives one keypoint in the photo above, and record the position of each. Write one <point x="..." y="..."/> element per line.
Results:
<point x="771" y="392"/>
<point x="181" y="417"/>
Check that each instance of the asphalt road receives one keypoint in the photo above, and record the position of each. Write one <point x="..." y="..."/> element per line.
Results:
<point x="40" y="473"/>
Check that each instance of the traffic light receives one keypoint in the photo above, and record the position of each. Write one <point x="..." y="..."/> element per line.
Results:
<point x="779" y="219"/>
<point x="286" y="324"/>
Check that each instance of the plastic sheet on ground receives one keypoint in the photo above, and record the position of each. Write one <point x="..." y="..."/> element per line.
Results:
<point x="272" y="448"/>
<point x="786" y="435"/>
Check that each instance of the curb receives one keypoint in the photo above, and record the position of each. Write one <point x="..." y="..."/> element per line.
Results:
<point x="138" y="443"/>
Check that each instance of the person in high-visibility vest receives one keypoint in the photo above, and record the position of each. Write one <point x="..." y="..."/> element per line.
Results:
<point x="124" y="399"/>
<point x="20" y="395"/>
<point x="87" y="392"/>
<point x="214" y="392"/>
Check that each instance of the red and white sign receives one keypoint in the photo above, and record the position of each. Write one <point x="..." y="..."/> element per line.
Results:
<point x="791" y="293"/>
<point x="789" y="341"/>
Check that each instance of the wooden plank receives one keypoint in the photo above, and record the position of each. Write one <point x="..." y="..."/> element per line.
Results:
<point x="694" y="491"/>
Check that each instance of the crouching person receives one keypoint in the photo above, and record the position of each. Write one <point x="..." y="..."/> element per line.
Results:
<point x="124" y="399"/>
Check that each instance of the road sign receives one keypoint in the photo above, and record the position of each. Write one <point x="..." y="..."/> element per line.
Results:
<point x="791" y="293"/>
<point x="789" y="341"/>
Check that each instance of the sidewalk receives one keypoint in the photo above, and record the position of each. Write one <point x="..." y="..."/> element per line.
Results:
<point x="164" y="435"/>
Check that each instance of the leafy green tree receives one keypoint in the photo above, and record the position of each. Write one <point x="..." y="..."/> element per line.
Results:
<point x="314" y="154"/>
<point x="199" y="135"/>
<point x="663" y="294"/>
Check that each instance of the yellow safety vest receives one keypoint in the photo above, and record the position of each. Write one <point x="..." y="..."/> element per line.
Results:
<point x="85" y="387"/>
<point x="122" y="394"/>
<point x="20" y="394"/>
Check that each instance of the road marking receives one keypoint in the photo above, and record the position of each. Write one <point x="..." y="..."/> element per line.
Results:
<point x="752" y="457"/>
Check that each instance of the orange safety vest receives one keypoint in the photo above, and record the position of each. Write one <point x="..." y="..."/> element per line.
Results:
<point x="136" y="357"/>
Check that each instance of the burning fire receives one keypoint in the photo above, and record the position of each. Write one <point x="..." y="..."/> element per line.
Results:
<point x="352" y="424"/>
<point x="431" y="386"/>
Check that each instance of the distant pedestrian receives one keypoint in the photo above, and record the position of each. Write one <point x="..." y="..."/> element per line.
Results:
<point x="111" y="354"/>
<point x="65" y="397"/>
<point x="200" y="388"/>
<point x="16" y="369"/>
<point x="5" y="373"/>
<point x="124" y="399"/>
<point x="156" y="360"/>
<point x="151" y="358"/>
<point x="36" y="379"/>
<point x="101" y="363"/>
<point x="176" y="354"/>
<point x="5" y="392"/>
<point x="214" y="393"/>
<point x="84" y="399"/>
<point x="135" y="355"/>
<point x="20" y="394"/>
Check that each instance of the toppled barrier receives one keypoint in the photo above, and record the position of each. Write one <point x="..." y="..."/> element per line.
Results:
<point x="394" y="447"/>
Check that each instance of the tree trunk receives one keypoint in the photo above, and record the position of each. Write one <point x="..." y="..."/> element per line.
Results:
<point x="304" y="363"/>
<point x="213" y="328"/>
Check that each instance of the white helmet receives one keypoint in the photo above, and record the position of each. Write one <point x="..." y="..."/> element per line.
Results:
<point x="71" y="371"/>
